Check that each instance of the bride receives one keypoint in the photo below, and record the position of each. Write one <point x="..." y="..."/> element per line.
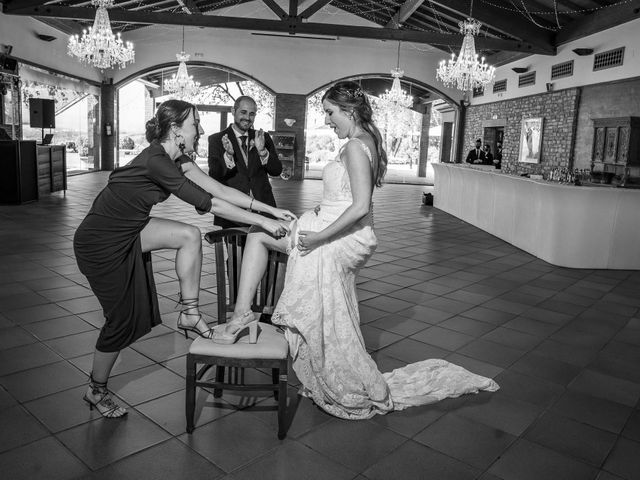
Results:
<point x="318" y="309"/>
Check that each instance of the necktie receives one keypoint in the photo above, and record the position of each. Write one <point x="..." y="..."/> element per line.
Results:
<point x="244" y="148"/>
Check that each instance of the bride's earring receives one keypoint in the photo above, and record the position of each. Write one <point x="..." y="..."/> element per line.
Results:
<point x="179" y="141"/>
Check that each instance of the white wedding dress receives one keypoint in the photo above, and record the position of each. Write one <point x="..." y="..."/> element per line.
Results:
<point x="319" y="313"/>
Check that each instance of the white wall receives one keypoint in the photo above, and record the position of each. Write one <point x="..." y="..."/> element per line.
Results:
<point x="626" y="35"/>
<point x="286" y="65"/>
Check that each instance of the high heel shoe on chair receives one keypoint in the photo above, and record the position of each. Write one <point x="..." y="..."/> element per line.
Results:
<point x="229" y="333"/>
<point x="101" y="400"/>
<point x="188" y="304"/>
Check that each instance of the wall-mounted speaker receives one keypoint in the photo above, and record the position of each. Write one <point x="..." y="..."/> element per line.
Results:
<point x="8" y="63"/>
<point x="42" y="113"/>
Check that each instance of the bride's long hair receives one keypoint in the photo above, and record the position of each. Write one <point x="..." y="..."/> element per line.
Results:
<point x="350" y="97"/>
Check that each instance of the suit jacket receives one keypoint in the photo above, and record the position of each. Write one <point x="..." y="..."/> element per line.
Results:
<point x="252" y="178"/>
<point x="472" y="156"/>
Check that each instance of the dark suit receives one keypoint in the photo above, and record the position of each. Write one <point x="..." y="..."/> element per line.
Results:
<point x="251" y="179"/>
<point x="473" y="155"/>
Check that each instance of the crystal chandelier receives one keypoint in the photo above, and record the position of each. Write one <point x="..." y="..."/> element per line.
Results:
<point x="99" y="46"/>
<point x="466" y="72"/>
<point x="396" y="96"/>
<point x="181" y="84"/>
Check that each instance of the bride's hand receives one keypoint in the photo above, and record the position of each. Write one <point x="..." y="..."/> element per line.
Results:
<point x="283" y="214"/>
<point x="308" y="241"/>
<point x="275" y="228"/>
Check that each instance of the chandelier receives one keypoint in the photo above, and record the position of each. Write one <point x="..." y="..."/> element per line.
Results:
<point x="466" y="72"/>
<point x="181" y="84"/>
<point x="396" y="96"/>
<point x="99" y="46"/>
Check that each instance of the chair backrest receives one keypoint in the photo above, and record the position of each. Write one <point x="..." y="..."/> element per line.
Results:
<point x="229" y="249"/>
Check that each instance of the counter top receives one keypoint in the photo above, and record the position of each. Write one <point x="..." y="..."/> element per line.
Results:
<point x="565" y="225"/>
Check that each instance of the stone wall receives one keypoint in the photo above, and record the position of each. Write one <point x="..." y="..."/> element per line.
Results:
<point x="559" y="111"/>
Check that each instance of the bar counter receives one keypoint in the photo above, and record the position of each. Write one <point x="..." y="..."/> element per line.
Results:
<point x="565" y="225"/>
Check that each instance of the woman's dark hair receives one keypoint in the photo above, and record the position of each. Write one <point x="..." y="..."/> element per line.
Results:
<point x="350" y="97"/>
<point x="168" y="113"/>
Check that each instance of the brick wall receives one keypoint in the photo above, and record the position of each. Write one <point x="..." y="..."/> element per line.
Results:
<point x="559" y="111"/>
<point x="293" y="106"/>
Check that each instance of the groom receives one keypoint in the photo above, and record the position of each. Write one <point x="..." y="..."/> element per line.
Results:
<point x="243" y="158"/>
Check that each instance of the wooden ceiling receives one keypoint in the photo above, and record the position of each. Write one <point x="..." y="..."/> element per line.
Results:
<point x="511" y="29"/>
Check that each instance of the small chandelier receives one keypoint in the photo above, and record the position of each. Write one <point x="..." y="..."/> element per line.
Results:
<point x="99" y="46"/>
<point x="466" y="72"/>
<point x="181" y="84"/>
<point x="396" y="96"/>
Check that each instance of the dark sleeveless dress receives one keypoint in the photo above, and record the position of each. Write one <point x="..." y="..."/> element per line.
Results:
<point x="108" y="249"/>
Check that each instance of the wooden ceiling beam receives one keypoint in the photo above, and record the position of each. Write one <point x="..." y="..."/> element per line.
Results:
<point x="608" y="17"/>
<point x="275" y="8"/>
<point x="403" y="13"/>
<point x="189" y="6"/>
<point x="290" y="25"/>
<point x="15" y="5"/>
<point x="494" y="18"/>
<point x="314" y="8"/>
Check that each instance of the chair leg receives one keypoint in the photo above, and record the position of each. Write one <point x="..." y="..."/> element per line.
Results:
<point x="282" y="403"/>
<point x="275" y="373"/>
<point x="190" y="404"/>
<point x="217" y="392"/>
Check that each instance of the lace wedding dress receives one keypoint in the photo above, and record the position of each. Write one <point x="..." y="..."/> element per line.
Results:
<point x="319" y="312"/>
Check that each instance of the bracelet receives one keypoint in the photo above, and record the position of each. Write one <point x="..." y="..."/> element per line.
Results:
<point x="251" y="205"/>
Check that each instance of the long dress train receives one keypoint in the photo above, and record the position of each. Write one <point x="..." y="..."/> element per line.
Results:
<point x="319" y="312"/>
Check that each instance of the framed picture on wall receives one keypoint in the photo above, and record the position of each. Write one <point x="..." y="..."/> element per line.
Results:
<point x="530" y="140"/>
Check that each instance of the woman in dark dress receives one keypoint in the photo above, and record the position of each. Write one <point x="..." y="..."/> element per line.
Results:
<point x="113" y="244"/>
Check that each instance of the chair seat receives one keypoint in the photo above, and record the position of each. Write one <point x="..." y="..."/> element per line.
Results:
<point x="271" y="344"/>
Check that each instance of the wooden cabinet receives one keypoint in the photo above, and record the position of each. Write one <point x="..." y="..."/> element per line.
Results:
<point x="52" y="168"/>
<point x="19" y="179"/>
<point x="616" y="150"/>
<point x="30" y="171"/>
<point x="285" y="143"/>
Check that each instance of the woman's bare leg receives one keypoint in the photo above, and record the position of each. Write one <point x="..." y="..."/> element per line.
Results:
<point x="254" y="264"/>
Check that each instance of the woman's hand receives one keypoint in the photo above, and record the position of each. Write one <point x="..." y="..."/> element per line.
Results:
<point x="275" y="228"/>
<point x="308" y="241"/>
<point x="283" y="214"/>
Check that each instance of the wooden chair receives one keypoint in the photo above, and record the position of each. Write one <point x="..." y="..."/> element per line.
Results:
<point x="271" y="350"/>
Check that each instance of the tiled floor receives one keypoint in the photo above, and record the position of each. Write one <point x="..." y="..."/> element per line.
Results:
<point x="563" y="344"/>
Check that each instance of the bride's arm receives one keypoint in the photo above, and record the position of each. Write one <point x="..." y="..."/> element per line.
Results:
<point x="360" y="179"/>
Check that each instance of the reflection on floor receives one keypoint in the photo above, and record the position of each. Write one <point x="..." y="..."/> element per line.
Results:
<point x="563" y="344"/>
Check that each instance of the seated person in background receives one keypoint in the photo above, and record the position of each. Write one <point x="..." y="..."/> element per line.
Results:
<point x="488" y="156"/>
<point x="476" y="156"/>
<point x="4" y="135"/>
<point x="497" y="159"/>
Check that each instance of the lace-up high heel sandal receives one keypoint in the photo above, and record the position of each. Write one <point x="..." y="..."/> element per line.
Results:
<point x="99" y="397"/>
<point x="228" y="333"/>
<point x="189" y="304"/>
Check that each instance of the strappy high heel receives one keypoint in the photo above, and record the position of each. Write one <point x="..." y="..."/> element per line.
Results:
<point x="189" y="304"/>
<point x="248" y="321"/>
<point x="104" y="403"/>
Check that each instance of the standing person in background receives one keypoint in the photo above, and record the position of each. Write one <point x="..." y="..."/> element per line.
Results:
<point x="497" y="159"/>
<point x="476" y="155"/>
<point x="243" y="158"/>
<point x="488" y="156"/>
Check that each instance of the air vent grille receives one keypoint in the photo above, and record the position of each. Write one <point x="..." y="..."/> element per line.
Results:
<point x="562" y="70"/>
<point x="478" y="92"/>
<point x="500" y="86"/>
<point x="527" y="79"/>
<point x="608" y="59"/>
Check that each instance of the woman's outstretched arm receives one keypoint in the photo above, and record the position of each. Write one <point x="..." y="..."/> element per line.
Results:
<point x="231" y="195"/>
